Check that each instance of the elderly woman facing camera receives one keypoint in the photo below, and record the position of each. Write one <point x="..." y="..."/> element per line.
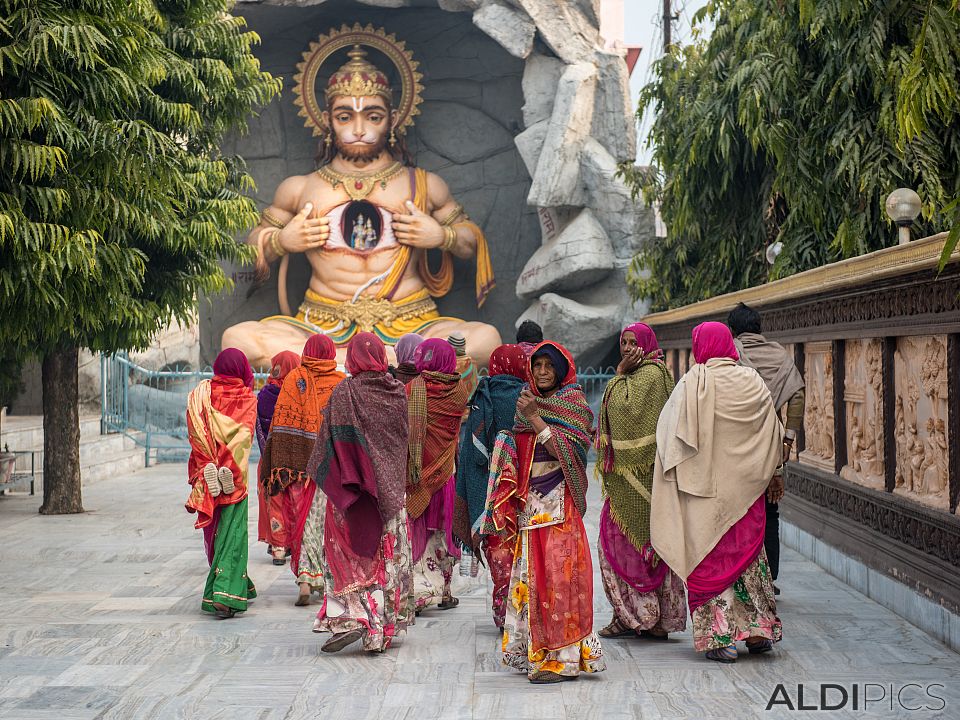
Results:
<point x="536" y="505"/>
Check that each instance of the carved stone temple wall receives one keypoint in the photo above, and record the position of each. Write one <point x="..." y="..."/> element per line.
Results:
<point x="524" y="116"/>
<point x="877" y="477"/>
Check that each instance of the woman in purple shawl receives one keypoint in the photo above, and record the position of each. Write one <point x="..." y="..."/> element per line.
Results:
<point x="406" y="349"/>
<point x="359" y="462"/>
<point x="280" y="365"/>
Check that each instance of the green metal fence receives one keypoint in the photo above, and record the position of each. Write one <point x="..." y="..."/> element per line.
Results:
<point x="150" y="405"/>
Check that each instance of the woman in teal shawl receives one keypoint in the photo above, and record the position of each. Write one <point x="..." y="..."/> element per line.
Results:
<point x="491" y="411"/>
<point x="647" y="597"/>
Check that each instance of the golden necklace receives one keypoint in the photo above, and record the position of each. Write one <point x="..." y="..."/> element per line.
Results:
<point x="359" y="186"/>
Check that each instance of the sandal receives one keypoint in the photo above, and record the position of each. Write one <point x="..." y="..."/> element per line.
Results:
<point x="304" y="597"/>
<point x="210" y="478"/>
<point x="223" y="612"/>
<point x="616" y="629"/>
<point x="724" y="655"/>
<point x="759" y="647"/>
<point x="448" y="603"/>
<point x="339" y="641"/>
<point x="225" y="476"/>
<point x="282" y="560"/>
<point x="545" y="677"/>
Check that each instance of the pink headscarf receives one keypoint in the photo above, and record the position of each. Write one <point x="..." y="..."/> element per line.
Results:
<point x="713" y="340"/>
<point x="646" y="339"/>
<point x="366" y="353"/>
<point x="436" y="355"/>
<point x="231" y="362"/>
<point x="320" y="347"/>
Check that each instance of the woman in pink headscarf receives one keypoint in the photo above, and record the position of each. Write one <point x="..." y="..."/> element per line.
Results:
<point x="436" y="401"/>
<point x="647" y="599"/>
<point x="719" y="441"/>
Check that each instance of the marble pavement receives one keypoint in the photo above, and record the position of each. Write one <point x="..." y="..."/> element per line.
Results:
<point x="100" y="618"/>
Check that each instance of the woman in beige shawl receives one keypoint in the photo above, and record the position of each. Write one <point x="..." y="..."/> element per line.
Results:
<point x="719" y="441"/>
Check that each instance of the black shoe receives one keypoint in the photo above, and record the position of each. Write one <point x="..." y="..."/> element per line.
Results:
<point x="776" y="590"/>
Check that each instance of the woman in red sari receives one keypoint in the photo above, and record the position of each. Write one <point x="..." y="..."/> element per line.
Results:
<point x="283" y="468"/>
<point x="360" y="462"/>
<point x="220" y="419"/>
<point x="436" y="399"/>
<point x="537" y="504"/>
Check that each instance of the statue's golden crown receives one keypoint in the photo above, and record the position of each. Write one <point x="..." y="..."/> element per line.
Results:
<point x="358" y="78"/>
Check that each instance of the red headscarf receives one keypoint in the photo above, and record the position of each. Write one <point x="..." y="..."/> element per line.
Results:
<point x="713" y="340"/>
<point x="436" y="355"/>
<point x="233" y="363"/>
<point x="366" y="353"/>
<point x="559" y="357"/>
<point x="280" y="364"/>
<point x="646" y="339"/>
<point x="321" y="347"/>
<point x="509" y="360"/>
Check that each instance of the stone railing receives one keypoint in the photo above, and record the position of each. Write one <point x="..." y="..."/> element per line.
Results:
<point x="877" y="339"/>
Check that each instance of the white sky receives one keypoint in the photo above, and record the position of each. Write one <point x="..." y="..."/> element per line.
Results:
<point x="642" y="26"/>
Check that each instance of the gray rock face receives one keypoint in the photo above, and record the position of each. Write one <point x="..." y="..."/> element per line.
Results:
<point x="628" y="223"/>
<point x="541" y="75"/>
<point x="579" y="256"/>
<point x="509" y="27"/>
<point x="564" y="28"/>
<point x="614" y="125"/>
<point x="585" y="330"/>
<point x="530" y="144"/>
<point x="557" y="179"/>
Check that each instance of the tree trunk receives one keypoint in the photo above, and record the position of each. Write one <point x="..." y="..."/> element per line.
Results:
<point x="61" y="433"/>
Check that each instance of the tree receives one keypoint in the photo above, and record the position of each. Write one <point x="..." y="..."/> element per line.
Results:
<point x="792" y="123"/>
<point x="115" y="203"/>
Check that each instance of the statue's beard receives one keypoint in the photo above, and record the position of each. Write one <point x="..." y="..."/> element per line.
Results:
<point x="361" y="153"/>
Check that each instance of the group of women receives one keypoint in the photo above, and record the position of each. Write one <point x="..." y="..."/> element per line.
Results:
<point x="374" y="483"/>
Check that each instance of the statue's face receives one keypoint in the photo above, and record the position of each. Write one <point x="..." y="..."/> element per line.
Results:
<point x="361" y="126"/>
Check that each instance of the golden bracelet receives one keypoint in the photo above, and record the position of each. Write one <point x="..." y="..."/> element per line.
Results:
<point x="271" y="220"/>
<point x="449" y="239"/>
<point x="454" y="215"/>
<point x="275" y="244"/>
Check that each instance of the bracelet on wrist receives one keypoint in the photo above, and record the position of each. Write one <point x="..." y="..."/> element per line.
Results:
<point x="449" y="239"/>
<point x="545" y="436"/>
<point x="275" y="244"/>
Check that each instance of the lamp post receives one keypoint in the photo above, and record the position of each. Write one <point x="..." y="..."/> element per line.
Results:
<point x="903" y="206"/>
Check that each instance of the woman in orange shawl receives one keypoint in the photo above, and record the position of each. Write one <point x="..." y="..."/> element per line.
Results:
<point x="283" y="468"/>
<point x="220" y="420"/>
<point x="537" y="504"/>
<point x="436" y="401"/>
<point x="271" y="506"/>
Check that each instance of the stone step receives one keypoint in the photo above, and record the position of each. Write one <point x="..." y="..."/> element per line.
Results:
<point x="25" y="432"/>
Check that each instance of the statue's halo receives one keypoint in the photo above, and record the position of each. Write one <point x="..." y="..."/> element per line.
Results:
<point x="305" y="81"/>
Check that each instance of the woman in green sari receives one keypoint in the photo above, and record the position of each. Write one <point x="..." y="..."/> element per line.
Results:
<point x="647" y="597"/>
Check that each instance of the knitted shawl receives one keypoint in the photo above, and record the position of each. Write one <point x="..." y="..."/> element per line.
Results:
<point x="436" y="402"/>
<point x="627" y="445"/>
<point x="296" y="420"/>
<point x="571" y="420"/>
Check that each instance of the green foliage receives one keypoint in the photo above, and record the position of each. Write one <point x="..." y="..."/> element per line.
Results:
<point x="793" y="122"/>
<point x="116" y="205"/>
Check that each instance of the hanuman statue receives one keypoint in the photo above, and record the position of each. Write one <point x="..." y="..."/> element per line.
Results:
<point x="365" y="221"/>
